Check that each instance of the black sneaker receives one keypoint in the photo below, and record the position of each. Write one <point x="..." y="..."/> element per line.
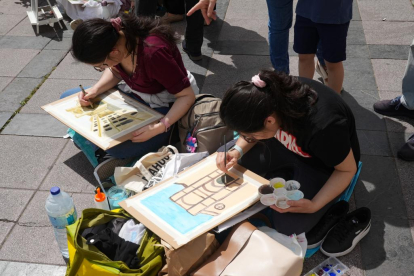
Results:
<point x="334" y="214"/>
<point x="407" y="151"/>
<point x="194" y="56"/>
<point x="347" y="233"/>
<point x="393" y="108"/>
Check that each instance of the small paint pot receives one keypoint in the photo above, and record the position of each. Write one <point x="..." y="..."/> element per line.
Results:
<point x="280" y="192"/>
<point x="277" y="182"/>
<point x="281" y="202"/>
<point x="265" y="189"/>
<point x="292" y="185"/>
<point x="268" y="199"/>
<point x="294" y="195"/>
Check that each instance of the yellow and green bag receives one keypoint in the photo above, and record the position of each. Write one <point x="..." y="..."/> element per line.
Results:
<point x="86" y="259"/>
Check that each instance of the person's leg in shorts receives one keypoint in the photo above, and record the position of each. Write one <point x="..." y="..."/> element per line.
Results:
<point x="306" y="41"/>
<point x="333" y="41"/>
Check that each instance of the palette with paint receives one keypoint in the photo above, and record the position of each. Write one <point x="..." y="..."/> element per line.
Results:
<point x="330" y="267"/>
<point x="279" y="191"/>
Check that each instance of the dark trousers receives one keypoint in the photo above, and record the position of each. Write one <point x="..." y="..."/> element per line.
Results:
<point x="195" y="22"/>
<point x="271" y="159"/>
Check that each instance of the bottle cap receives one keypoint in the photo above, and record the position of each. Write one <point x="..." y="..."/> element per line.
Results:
<point x="55" y="190"/>
<point x="99" y="197"/>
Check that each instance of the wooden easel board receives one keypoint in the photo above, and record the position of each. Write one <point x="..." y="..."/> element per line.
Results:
<point x="111" y="120"/>
<point x="182" y="208"/>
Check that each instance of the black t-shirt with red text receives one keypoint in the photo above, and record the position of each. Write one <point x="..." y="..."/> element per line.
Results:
<point x="328" y="135"/>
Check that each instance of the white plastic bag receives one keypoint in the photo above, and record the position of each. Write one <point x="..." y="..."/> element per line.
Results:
<point x="181" y="161"/>
<point x="92" y="9"/>
<point x="296" y="243"/>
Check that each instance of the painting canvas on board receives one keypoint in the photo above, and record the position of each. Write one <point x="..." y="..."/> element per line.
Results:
<point x="110" y="119"/>
<point x="181" y="208"/>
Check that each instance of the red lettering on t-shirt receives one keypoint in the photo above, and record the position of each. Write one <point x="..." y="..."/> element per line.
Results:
<point x="289" y="141"/>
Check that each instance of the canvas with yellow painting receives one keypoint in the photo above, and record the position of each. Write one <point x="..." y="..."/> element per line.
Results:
<point x="181" y="208"/>
<point x="110" y="119"/>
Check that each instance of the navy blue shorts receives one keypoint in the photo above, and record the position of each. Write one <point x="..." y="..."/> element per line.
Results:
<point x="332" y="36"/>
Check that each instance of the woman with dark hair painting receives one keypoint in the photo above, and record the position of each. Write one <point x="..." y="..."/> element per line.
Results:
<point x="143" y="53"/>
<point x="297" y="129"/>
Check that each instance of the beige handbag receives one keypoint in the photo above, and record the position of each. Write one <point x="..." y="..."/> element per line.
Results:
<point x="248" y="251"/>
<point x="135" y="178"/>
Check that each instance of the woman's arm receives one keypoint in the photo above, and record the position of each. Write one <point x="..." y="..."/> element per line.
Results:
<point x="336" y="184"/>
<point x="107" y="81"/>
<point x="232" y="155"/>
<point x="185" y="99"/>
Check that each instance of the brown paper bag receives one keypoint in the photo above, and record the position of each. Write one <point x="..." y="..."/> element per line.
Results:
<point x="136" y="177"/>
<point x="181" y="261"/>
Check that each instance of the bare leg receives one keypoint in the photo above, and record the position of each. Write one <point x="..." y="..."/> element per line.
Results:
<point x="306" y="65"/>
<point x="336" y="75"/>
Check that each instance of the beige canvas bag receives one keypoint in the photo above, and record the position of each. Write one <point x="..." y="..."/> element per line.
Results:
<point x="135" y="178"/>
<point x="248" y="251"/>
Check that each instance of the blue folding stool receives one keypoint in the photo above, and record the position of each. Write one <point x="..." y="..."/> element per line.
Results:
<point x="345" y="196"/>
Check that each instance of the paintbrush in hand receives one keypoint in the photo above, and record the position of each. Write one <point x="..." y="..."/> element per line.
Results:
<point x="84" y="94"/>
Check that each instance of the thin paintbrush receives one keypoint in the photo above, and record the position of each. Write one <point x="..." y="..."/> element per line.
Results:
<point x="84" y="93"/>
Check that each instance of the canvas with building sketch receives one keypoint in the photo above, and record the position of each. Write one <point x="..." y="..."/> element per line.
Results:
<point x="109" y="121"/>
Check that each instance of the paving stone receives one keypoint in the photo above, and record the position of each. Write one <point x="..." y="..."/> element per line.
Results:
<point x="16" y="59"/>
<point x="394" y="124"/>
<point x="255" y="48"/>
<point x="244" y="30"/>
<point x="17" y="91"/>
<point x="16" y="8"/>
<point x="4" y="81"/>
<point x="389" y="73"/>
<point x="5" y="228"/>
<point x="380" y="188"/>
<point x="397" y="140"/>
<point x="28" y="172"/>
<point x="7" y="22"/>
<point x="34" y="214"/>
<point x="357" y="50"/>
<point x="359" y="75"/>
<point x="83" y="201"/>
<point x="23" y="241"/>
<point x="42" y="64"/>
<point x="21" y="42"/>
<point x="221" y="8"/>
<point x="377" y="10"/>
<point x="35" y="125"/>
<point x="390" y="236"/>
<point x="26" y="269"/>
<point x="13" y="202"/>
<point x="356" y="15"/>
<point x="230" y="69"/>
<point x="24" y="28"/>
<point x="411" y="226"/>
<point x="59" y="42"/>
<point x="71" y="69"/>
<point x="356" y="33"/>
<point x="4" y="117"/>
<point x="217" y="90"/>
<point x="406" y="173"/>
<point x="72" y="172"/>
<point x="361" y="106"/>
<point x="247" y="10"/>
<point x="49" y="92"/>
<point x="388" y="249"/>
<point x="389" y="51"/>
<point x="384" y="32"/>
<point x="373" y="142"/>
